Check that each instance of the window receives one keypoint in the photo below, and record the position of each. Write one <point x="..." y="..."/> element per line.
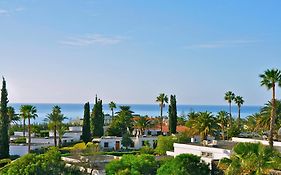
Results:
<point x="207" y="154"/>
<point x="143" y="143"/>
<point x="105" y="144"/>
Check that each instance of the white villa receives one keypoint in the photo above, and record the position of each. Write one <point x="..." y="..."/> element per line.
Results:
<point x="114" y="143"/>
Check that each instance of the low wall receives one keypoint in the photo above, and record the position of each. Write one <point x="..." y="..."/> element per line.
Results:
<point x="248" y="140"/>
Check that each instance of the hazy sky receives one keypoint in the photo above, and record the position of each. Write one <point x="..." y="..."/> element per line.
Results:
<point x="130" y="51"/>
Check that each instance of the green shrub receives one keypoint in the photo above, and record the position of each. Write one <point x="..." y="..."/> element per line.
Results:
<point x="20" y="140"/>
<point x="165" y="143"/>
<point x="184" y="164"/>
<point x="130" y="164"/>
<point x="146" y="150"/>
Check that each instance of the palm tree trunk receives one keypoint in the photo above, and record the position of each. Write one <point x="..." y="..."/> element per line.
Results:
<point x="29" y="135"/>
<point x="112" y="112"/>
<point x="55" y="135"/>
<point x="222" y="132"/>
<point x="161" y="118"/>
<point x="230" y="116"/>
<point x="24" y="127"/>
<point x="272" y="120"/>
<point x="238" y="121"/>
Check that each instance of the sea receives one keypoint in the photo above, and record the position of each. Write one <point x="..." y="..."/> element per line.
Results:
<point x="75" y="111"/>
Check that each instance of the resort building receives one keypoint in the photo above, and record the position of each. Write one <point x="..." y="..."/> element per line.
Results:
<point x="114" y="143"/>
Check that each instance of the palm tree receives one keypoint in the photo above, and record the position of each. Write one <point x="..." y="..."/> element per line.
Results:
<point x="251" y="158"/>
<point x="204" y="125"/>
<point x="12" y="115"/>
<point x="251" y="122"/>
<point x="269" y="79"/>
<point x="112" y="106"/>
<point x="143" y="123"/>
<point x="239" y="101"/>
<point x="229" y="97"/>
<point x="162" y="99"/>
<point x="55" y="119"/>
<point x="28" y="112"/>
<point x="222" y="121"/>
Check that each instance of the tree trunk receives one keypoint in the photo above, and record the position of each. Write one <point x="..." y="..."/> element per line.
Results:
<point x="238" y="121"/>
<point x="272" y="120"/>
<point x="112" y="113"/>
<point x="55" y="135"/>
<point x="223" y="133"/>
<point x="29" y="135"/>
<point x="24" y="127"/>
<point x="230" y="116"/>
<point x="161" y="118"/>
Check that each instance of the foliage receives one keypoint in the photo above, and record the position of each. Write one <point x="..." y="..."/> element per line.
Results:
<point x="122" y="122"/>
<point x="162" y="99"/>
<point x="97" y="119"/>
<point x="184" y="164"/>
<point x="143" y="123"/>
<point x="112" y="106"/>
<point x="165" y="143"/>
<point x="269" y="79"/>
<point x="202" y="123"/>
<point x="251" y="158"/>
<point x="55" y="120"/>
<point x="222" y="122"/>
<point x="20" y="140"/>
<point x="28" y="112"/>
<point x="126" y="140"/>
<point x="229" y="97"/>
<point x="49" y="163"/>
<point x="173" y="115"/>
<point x="146" y="150"/>
<point x="233" y="131"/>
<point x="130" y="164"/>
<point x="86" y="131"/>
<point x="183" y="137"/>
<point x="121" y="153"/>
<point x="4" y="122"/>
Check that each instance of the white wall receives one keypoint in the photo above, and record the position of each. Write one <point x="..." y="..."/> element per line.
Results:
<point x="264" y="142"/>
<point x="217" y="153"/>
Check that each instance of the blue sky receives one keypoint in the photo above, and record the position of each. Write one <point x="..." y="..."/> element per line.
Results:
<point x="130" y="51"/>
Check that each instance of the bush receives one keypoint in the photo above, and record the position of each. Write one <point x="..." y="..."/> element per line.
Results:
<point x="4" y="162"/>
<point x="121" y="153"/>
<point x="49" y="163"/>
<point x="165" y="143"/>
<point x="20" y="140"/>
<point x="184" y="164"/>
<point x="130" y="164"/>
<point x="146" y="150"/>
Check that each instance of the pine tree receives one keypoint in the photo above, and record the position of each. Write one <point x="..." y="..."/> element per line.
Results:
<point x="86" y="132"/>
<point x="173" y="115"/>
<point x="97" y="119"/>
<point x="4" y="122"/>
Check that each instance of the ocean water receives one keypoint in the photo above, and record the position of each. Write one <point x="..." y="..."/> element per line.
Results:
<point x="73" y="111"/>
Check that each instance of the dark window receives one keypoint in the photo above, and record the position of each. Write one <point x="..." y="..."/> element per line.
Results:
<point x="143" y="143"/>
<point x="132" y="144"/>
<point x="105" y="144"/>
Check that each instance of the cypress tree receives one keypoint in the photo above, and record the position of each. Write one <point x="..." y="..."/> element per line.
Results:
<point x="86" y="131"/>
<point x="173" y="115"/>
<point x="97" y="119"/>
<point x="4" y="122"/>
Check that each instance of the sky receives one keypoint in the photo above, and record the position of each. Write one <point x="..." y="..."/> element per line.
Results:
<point x="128" y="51"/>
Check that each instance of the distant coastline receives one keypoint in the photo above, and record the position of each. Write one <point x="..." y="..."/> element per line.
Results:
<point x="73" y="111"/>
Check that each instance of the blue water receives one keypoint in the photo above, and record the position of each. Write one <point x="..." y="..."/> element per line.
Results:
<point x="73" y="111"/>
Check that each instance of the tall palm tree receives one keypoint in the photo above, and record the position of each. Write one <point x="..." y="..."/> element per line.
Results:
<point x="28" y="112"/>
<point x="222" y="121"/>
<point x="55" y="120"/>
<point x="269" y="79"/>
<point x="229" y="97"/>
<point x="239" y="101"/>
<point x="112" y="106"/>
<point x="162" y="99"/>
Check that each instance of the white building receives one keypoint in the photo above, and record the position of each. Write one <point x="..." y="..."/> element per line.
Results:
<point x="208" y="154"/>
<point x="114" y="143"/>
